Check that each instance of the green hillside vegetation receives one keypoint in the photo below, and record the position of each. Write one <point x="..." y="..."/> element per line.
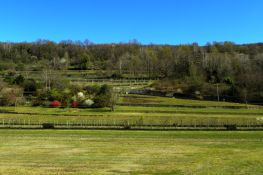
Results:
<point x="234" y="71"/>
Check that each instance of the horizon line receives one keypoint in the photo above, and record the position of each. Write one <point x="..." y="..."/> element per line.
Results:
<point x="132" y="41"/>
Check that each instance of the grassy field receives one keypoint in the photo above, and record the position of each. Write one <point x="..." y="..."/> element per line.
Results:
<point x="132" y="114"/>
<point x="26" y="152"/>
<point x="139" y="114"/>
<point x="144" y="99"/>
<point x="58" y="152"/>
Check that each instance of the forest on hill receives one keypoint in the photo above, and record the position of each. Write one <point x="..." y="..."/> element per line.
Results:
<point x="234" y="71"/>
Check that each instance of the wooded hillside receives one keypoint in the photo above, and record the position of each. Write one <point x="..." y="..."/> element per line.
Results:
<point x="189" y="69"/>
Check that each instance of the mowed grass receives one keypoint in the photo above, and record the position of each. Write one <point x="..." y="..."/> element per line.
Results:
<point x="133" y="109"/>
<point x="144" y="99"/>
<point x="10" y="119"/>
<point x="145" y="115"/>
<point x="132" y="152"/>
<point x="26" y="152"/>
<point x="139" y="114"/>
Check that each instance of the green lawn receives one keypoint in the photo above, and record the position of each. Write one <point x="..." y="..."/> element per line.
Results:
<point x="26" y="152"/>
<point x="144" y="99"/>
<point x="132" y="152"/>
<point x="139" y="114"/>
<point x="135" y="109"/>
<point x="145" y="115"/>
<point x="132" y="120"/>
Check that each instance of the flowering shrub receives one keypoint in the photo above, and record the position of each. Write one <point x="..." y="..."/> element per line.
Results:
<point x="55" y="103"/>
<point x="74" y="104"/>
<point x="88" y="102"/>
<point x="81" y="95"/>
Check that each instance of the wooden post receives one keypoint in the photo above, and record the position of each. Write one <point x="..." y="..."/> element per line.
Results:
<point x="217" y="91"/>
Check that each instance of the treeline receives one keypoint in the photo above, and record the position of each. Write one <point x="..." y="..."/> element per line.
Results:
<point x="234" y="71"/>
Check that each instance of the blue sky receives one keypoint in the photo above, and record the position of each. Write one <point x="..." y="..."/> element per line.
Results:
<point x="148" y="21"/>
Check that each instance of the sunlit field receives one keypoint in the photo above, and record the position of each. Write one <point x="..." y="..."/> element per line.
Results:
<point x="129" y="152"/>
<point x="130" y="111"/>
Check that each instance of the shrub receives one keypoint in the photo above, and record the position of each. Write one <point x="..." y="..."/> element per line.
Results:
<point x="37" y="102"/>
<point x="30" y="86"/>
<point x="74" y="104"/>
<point x="92" y="89"/>
<point x="105" y="90"/>
<point x="102" y="98"/>
<point x="11" y="96"/>
<point x="42" y="98"/>
<point x="9" y="77"/>
<point x="55" y="104"/>
<point x="88" y="102"/>
<point x="65" y="97"/>
<point x="116" y="76"/>
<point x="19" y="80"/>
<point x="48" y="126"/>
<point x="80" y="96"/>
<point x="55" y="94"/>
<point x="230" y="127"/>
<point x="101" y="101"/>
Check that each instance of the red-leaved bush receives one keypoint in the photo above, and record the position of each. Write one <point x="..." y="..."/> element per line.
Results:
<point x="74" y="104"/>
<point x="55" y="104"/>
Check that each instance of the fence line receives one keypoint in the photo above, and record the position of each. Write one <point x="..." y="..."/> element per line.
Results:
<point x="212" y="124"/>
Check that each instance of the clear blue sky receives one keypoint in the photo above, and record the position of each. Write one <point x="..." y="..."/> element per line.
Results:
<point x="148" y="21"/>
